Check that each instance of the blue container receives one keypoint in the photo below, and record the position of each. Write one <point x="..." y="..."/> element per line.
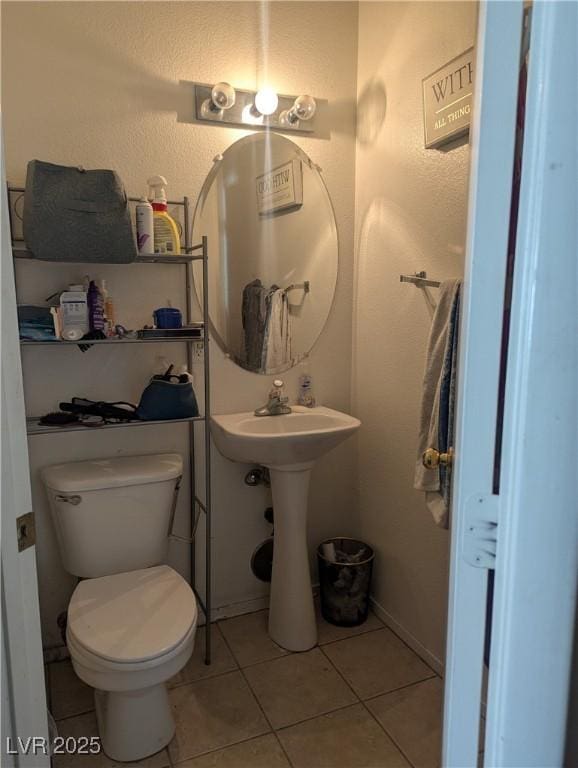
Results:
<point x="168" y="317"/>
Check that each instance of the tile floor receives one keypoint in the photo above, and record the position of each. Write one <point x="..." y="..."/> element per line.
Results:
<point x="361" y="699"/>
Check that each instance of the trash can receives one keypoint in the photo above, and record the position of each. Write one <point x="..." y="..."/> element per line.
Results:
<point x="345" y="567"/>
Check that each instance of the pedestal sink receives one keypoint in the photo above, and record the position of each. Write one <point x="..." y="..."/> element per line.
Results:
<point x="289" y="446"/>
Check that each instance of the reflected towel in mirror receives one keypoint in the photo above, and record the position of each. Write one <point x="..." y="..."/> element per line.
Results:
<point x="255" y="309"/>
<point x="277" y="341"/>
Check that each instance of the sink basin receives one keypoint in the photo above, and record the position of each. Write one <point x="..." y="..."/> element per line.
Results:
<point x="288" y="445"/>
<point x="299" y="437"/>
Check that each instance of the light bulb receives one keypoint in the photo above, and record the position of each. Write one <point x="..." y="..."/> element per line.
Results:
<point x="266" y="101"/>
<point x="209" y="110"/>
<point x="251" y="115"/>
<point x="304" y="107"/>
<point x="287" y="119"/>
<point x="223" y="95"/>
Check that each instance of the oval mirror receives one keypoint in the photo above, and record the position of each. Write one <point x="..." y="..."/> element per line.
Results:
<point x="272" y="242"/>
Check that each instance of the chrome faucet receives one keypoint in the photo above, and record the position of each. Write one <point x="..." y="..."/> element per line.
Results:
<point x="277" y="403"/>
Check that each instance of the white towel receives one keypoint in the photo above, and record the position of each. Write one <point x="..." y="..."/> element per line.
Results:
<point x="277" y="347"/>
<point x="425" y="479"/>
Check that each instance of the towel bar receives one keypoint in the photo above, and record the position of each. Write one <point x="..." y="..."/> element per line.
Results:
<point x="419" y="279"/>
<point x="302" y="286"/>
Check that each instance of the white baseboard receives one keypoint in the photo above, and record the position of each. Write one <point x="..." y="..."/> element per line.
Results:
<point x="238" y="609"/>
<point x="425" y="654"/>
<point x="245" y="606"/>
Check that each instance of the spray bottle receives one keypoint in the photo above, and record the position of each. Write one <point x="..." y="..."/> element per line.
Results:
<point x="95" y="308"/>
<point x="144" y="226"/>
<point x="166" y="233"/>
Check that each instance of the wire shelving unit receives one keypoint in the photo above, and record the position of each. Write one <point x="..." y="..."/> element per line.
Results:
<point x="190" y="253"/>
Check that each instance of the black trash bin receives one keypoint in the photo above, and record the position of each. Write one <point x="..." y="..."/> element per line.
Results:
<point x="345" y="567"/>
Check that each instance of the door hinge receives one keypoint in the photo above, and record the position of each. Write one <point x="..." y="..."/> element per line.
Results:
<point x="481" y="531"/>
<point x="26" y="531"/>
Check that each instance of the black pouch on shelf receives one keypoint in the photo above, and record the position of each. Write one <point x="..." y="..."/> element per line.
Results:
<point x="165" y="397"/>
<point x="75" y="215"/>
<point x="118" y="411"/>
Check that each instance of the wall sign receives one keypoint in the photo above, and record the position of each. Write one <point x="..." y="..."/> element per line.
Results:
<point x="281" y="188"/>
<point x="447" y="100"/>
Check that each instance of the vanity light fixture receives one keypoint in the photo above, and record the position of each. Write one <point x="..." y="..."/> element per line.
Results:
<point x="304" y="107"/>
<point x="222" y="97"/>
<point x="223" y="104"/>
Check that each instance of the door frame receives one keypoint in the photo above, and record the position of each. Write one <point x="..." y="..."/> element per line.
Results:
<point x="537" y="553"/>
<point x="23" y="686"/>
<point x="474" y="503"/>
<point x="525" y="528"/>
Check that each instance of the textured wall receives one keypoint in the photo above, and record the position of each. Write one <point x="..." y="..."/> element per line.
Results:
<point x="410" y="215"/>
<point x="105" y="85"/>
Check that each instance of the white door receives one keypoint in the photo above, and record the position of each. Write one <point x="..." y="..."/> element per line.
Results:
<point x="518" y="516"/>
<point x="24" y="723"/>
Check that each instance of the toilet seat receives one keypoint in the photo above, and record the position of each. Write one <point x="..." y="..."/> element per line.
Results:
<point x="83" y="657"/>
<point x="131" y="621"/>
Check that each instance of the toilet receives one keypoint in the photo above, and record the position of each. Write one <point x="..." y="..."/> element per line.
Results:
<point x="131" y="619"/>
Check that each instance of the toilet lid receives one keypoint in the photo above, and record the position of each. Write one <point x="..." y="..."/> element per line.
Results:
<point x="134" y="616"/>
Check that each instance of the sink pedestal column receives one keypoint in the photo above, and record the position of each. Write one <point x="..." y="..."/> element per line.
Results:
<point x="291" y="612"/>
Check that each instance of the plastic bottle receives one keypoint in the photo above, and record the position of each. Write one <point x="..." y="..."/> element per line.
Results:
<point x="56" y="313"/>
<point x="74" y="313"/>
<point x="306" y="396"/>
<point x="95" y="308"/>
<point x="166" y="233"/>
<point x="144" y="226"/>
<point x="108" y="306"/>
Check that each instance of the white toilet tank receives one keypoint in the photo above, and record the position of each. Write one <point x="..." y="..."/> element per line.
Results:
<point x="113" y="515"/>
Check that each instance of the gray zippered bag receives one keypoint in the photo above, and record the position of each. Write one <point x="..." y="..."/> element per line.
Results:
<point x="71" y="214"/>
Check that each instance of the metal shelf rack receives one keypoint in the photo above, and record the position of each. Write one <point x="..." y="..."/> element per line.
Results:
<point x="190" y="253"/>
<point x="55" y="343"/>
<point x="19" y="252"/>
<point x="34" y="427"/>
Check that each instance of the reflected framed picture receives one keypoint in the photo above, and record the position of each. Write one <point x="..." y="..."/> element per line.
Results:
<point x="280" y="189"/>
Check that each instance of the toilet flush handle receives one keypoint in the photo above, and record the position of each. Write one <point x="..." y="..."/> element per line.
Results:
<point x="69" y="499"/>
